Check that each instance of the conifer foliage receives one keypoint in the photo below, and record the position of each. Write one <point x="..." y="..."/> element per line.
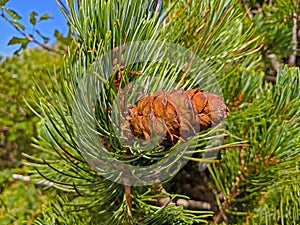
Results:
<point x="255" y="177"/>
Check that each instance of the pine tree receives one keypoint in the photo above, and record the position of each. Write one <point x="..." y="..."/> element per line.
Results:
<point x="119" y="65"/>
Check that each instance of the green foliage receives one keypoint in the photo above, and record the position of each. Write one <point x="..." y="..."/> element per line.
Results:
<point x="15" y="40"/>
<point x="3" y="2"/>
<point x="13" y="14"/>
<point x="102" y="26"/>
<point x="255" y="180"/>
<point x="33" y="20"/>
<point x="17" y="122"/>
<point x="56" y="213"/>
<point x="273" y="20"/>
<point x="20" y="202"/>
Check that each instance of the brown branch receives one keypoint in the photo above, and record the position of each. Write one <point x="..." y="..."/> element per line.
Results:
<point x="270" y="78"/>
<point x="242" y="157"/>
<point x="235" y="191"/>
<point x="274" y="61"/>
<point x="259" y="8"/>
<point x="238" y="101"/>
<point x="228" y="199"/>
<point x="249" y="13"/>
<point x="3" y="129"/>
<point x="236" y="187"/>
<point x="162" y="201"/>
<point x="270" y="3"/>
<point x="292" y="57"/>
<point x="128" y="199"/>
<point x="275" y="66"/>
<point x="187" y="204"/>
<point x="9" y="114"/>
<point x="192" y="204"/>
<point x="8" y="98"/>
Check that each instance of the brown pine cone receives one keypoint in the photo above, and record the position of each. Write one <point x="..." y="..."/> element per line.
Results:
<point x="209" y="107"/>
<point x="177" y="114"/>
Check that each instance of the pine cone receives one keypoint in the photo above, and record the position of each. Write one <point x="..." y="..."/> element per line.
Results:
<point x="179" y="114"/>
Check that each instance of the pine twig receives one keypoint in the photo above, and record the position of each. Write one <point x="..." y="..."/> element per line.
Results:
<point x="162" y="201"/>
<point x="27" y="179"/>
<point x="234" y="192"/>
<point x="225" y="205"/>
<point x="238" y="101"/>
<point x="270" y="3"/>
<point x="3" y="129"/>
<point x="192" y="204"/>
<point x="249" y="13"/>
<point x="275" y="66"/>
<point x="128" y="199"/>
<point x="292" y="57"/>
<point x="187" y="204"/>
<point x="274" y="61"/>
<point x="270" y="78"/>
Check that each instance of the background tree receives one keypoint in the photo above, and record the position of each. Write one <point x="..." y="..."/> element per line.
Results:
<point x="278" y="23"/>
<point x="20" y="200"/>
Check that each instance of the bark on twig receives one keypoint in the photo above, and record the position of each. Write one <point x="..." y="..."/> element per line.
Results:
<point x="187" y="204"/>
<point x="27" y="179"/>
<point x="128" y="199"/>
<point x="221" y="216"/>
<point x="192" y="204"/>
<point x="249" y="13"/>
<point x="235" y="191"/>
<point x="274" y="61"/>
<point x="3" y="129"/>
<point x="163" y="200"/>
<point x="270" y="78"/>
<point x="292" y="57"/>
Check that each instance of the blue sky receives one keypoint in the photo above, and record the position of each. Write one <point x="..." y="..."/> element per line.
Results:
<point x="23" y="8"/>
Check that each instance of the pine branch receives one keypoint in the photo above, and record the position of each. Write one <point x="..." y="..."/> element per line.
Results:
<point x="235" y="190"/>
<point x="274" y="62"/>
<point x="128" y="199"/>
<point x="27" y="178"/>
<point x="192" y="204"/>
<point x="213" y="29"/>
<point x="249" y="176"/>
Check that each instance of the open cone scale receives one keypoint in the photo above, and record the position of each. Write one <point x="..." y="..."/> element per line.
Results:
<point x="177" y="114"/>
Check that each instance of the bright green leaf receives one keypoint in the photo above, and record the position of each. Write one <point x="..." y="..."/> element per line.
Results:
<point x="61" y="38"/>
<point x="3" y="2"/>
<point x="58" y="35"/>
<point x="46" y="39"/>
<point x="45" y="16"/>
<point x="13" y="14"/>
<point x="33" y="15"/>
<point x="20" y="25"/>
<point x="16" y="40"/>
